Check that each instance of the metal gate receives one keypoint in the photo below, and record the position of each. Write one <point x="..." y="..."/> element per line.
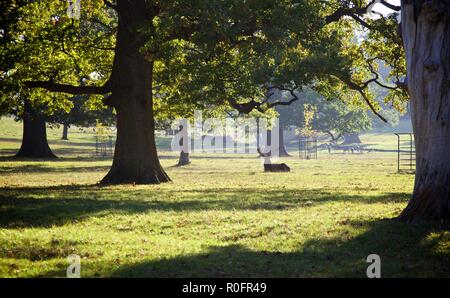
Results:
<point x="104" y="145"/>
<point x="406" y="153"/>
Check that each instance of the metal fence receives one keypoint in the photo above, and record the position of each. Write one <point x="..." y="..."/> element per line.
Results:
<point x="406" y="153"/>
<point x="104" y="145"/>
<point x="307" y="148"/>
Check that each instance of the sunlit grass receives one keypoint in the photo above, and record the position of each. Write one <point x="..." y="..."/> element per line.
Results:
<point x="220" y="217"/>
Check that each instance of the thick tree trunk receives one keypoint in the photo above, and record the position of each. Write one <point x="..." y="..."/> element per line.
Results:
<point x="34" y="140"/>
<point x="282" y="148"/>
<point x="135" y="156"/>
<point x="65" y="132"/>
<point x="351" y="138"/>
<point x="184" y="159"/>
<point x="426" y="37"/>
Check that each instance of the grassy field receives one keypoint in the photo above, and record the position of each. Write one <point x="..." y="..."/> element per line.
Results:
<point x="220" y="217"/>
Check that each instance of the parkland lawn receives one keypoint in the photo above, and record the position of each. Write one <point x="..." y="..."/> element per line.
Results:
<point x="220" y="217"/>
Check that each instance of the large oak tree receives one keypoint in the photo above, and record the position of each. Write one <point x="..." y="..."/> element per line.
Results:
<point x="245" y="50"/>
<point x="205" y="37"/>
<point x="419" y="53"/>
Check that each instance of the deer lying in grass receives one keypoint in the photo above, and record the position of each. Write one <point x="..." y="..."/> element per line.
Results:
<point x="273" y="167"/>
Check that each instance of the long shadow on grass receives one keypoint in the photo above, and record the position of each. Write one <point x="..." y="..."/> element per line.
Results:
<point x="8" y="153"/>
<point x="404" y="250"/>
<point x="54" y="142"/>
<point x="61" y="158"/>
<point x="52" y="160"/>
<point x="73" y="155"/>
<point x="58" y="151"/>
<point x="58" y="205"/>
<point x="398" y="245"/>
<point x="44" y="168"/>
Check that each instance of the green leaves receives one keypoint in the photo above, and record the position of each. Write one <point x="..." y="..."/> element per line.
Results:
<point x="44" y="44"/>
<point x="206" y="53"/>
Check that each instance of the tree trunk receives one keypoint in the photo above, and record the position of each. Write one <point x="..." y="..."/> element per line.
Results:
<point x="135" y="156"/>
<point x="34" y="140"/>
<point x="184" y="159"/>
<point x="351" y="138"/>
<point x="65" y="132"/>
<point x="426" y="38"/>
<point x="282" y="148"/>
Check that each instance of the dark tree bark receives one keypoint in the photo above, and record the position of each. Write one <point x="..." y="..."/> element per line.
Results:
<point x="184" y="159"/>
<point x="282" y="148"/>
<point x="351" y="138"/>
<point x="426" y="38"/>
<point x="135" y="157"/>
<point x="34" y="139"/>
<point x="65" y="132"/>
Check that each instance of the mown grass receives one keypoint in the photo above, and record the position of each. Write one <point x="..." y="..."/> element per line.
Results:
<point x="220" y="217"/>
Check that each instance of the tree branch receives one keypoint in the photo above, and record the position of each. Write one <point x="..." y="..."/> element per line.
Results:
<point x="357" y="12"/>
<point x="245" y="108"/>
<point x="263" y="106"/>
<point x="64" y="88"/>
<point x="377" y="76"/>
<point x="350" y="12"/>
<point x="391" y="6"/>
<point x="371" y="106"/>
<point x="360" y="90"/>
<point x="293" y="99"/>
<point x="360" y="21"/>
